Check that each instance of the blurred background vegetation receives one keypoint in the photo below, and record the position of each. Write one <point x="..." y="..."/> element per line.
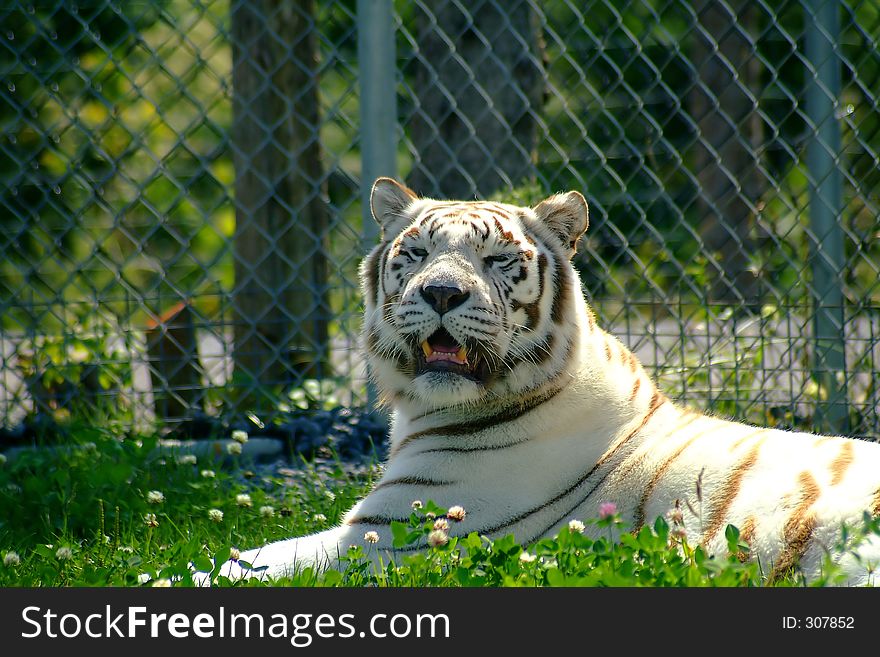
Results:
<point x="180" y="185"/>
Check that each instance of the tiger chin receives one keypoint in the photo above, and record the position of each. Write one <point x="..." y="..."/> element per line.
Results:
<point x="508" y="400"/>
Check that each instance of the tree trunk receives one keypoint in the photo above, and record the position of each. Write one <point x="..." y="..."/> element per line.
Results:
<point x="280" y="296"/>
<point x="479" y="85"/>
<point x="726" y="154"/>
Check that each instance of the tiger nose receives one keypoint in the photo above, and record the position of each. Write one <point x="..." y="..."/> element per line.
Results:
<point x="443" y="298"/>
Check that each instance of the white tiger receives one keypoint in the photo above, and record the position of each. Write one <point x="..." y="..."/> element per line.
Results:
<point x="510" y="401"/>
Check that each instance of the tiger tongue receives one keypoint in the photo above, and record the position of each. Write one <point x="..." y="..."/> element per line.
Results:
<point x="453" y="354"/>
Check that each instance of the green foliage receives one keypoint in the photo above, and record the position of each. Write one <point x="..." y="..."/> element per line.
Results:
<point x="89" y="113"/>
<point x="115" y="511"/>
<point x="127" y="509"/>
<point x="313" y="394"/>
<point x="118" y="179"/>
<point x="656" y="555"/>
<point x="84" y="374"/>
<point x="650" y="557"/>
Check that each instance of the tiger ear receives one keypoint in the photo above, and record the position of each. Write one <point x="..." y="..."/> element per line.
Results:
<point x="389" y="201"/>
<point x="567" y="216"/>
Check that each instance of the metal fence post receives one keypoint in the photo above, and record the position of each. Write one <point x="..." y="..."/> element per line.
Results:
<point x="827" y="254"/>
<point x="378" y="73"/>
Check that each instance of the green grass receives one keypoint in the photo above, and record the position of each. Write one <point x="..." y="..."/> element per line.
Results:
<point x="115" y="512"/>
<point x="95" y="500"/>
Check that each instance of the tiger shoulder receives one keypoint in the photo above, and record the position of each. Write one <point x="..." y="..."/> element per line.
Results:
<point x="508" y="399"/>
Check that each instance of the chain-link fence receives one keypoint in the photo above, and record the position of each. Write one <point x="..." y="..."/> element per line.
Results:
<point x="181" y="211"/>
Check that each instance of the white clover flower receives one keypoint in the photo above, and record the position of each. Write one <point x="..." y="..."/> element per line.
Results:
<point x="240" y="436"/>
<point x="63" y="554"/>
<point x="442" y="524"/>
<point x="456" y="513"/>
<point x="267" y="511"/>
<point x="416" y="504"/>
<point x="215" y="515"/>
<point x="150" y="520"/>
<point x="319" y="517"/>
<point x="438" y="538"/>
<point x="162" y="583"/>
<point x="187" y="459"/>
<point x="11" y="558"/>
<point x="330" y="495"/>
<point x="243" y="499"/>
<point x="155" y="497"/>
<point x="143" y="578"/>
<point x="233" y="448"/>
<point x="371" y="537"/>
<point x="127" y="549"/>
<point x="208" y="474"/>
<point x="526" y="557"/>
<point x="234" y="554"/>
<point x="576" y="526"/>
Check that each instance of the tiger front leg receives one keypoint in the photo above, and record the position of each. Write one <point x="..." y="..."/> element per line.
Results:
<point x="285" y="558"/>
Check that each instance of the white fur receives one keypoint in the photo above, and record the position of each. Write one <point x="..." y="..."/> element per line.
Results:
<point x="599" y="421"/>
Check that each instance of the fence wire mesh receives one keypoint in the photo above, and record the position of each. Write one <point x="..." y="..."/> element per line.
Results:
<point x="181" y="217"/>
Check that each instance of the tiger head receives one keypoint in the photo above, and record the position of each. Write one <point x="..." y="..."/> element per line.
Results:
<point x="469" y="302"/>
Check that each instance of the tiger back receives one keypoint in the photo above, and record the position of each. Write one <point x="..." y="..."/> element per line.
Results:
<point x="508" y="400"/>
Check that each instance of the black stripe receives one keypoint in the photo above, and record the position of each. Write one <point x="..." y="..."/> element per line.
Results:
<point x="388" y="307"/>
<point x="380" y="281"/>
<point x="470" y="450"/>
<point x="507" y="415"/>
<point x="537" y="354"/>
<point x="533" y="309"/>
<point x="427" y="413"/>
<point x="375" y="520"/>
<point x="400" y="358"/>
<point x="561" y="291"/>
<point x="479" y="320"/>
<point x="533" y="313"/>
<point x="498" y="289"/>
<point x="371" y="274"/>
<point x="372" y="340"/>
<point x="482" y="232"/>
<point x="435" y="225"/>
<point x="656" y="402"/>
<point x="494" y="208"/>
<point x="412" y="481"/>
<point x="553" y="380"/>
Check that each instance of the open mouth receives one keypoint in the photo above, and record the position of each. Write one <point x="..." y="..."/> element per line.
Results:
<point x="441" y="353"/>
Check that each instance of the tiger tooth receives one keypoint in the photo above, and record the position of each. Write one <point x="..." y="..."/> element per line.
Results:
<point x="426" y="348"/>
<point x="462" y="355"/>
